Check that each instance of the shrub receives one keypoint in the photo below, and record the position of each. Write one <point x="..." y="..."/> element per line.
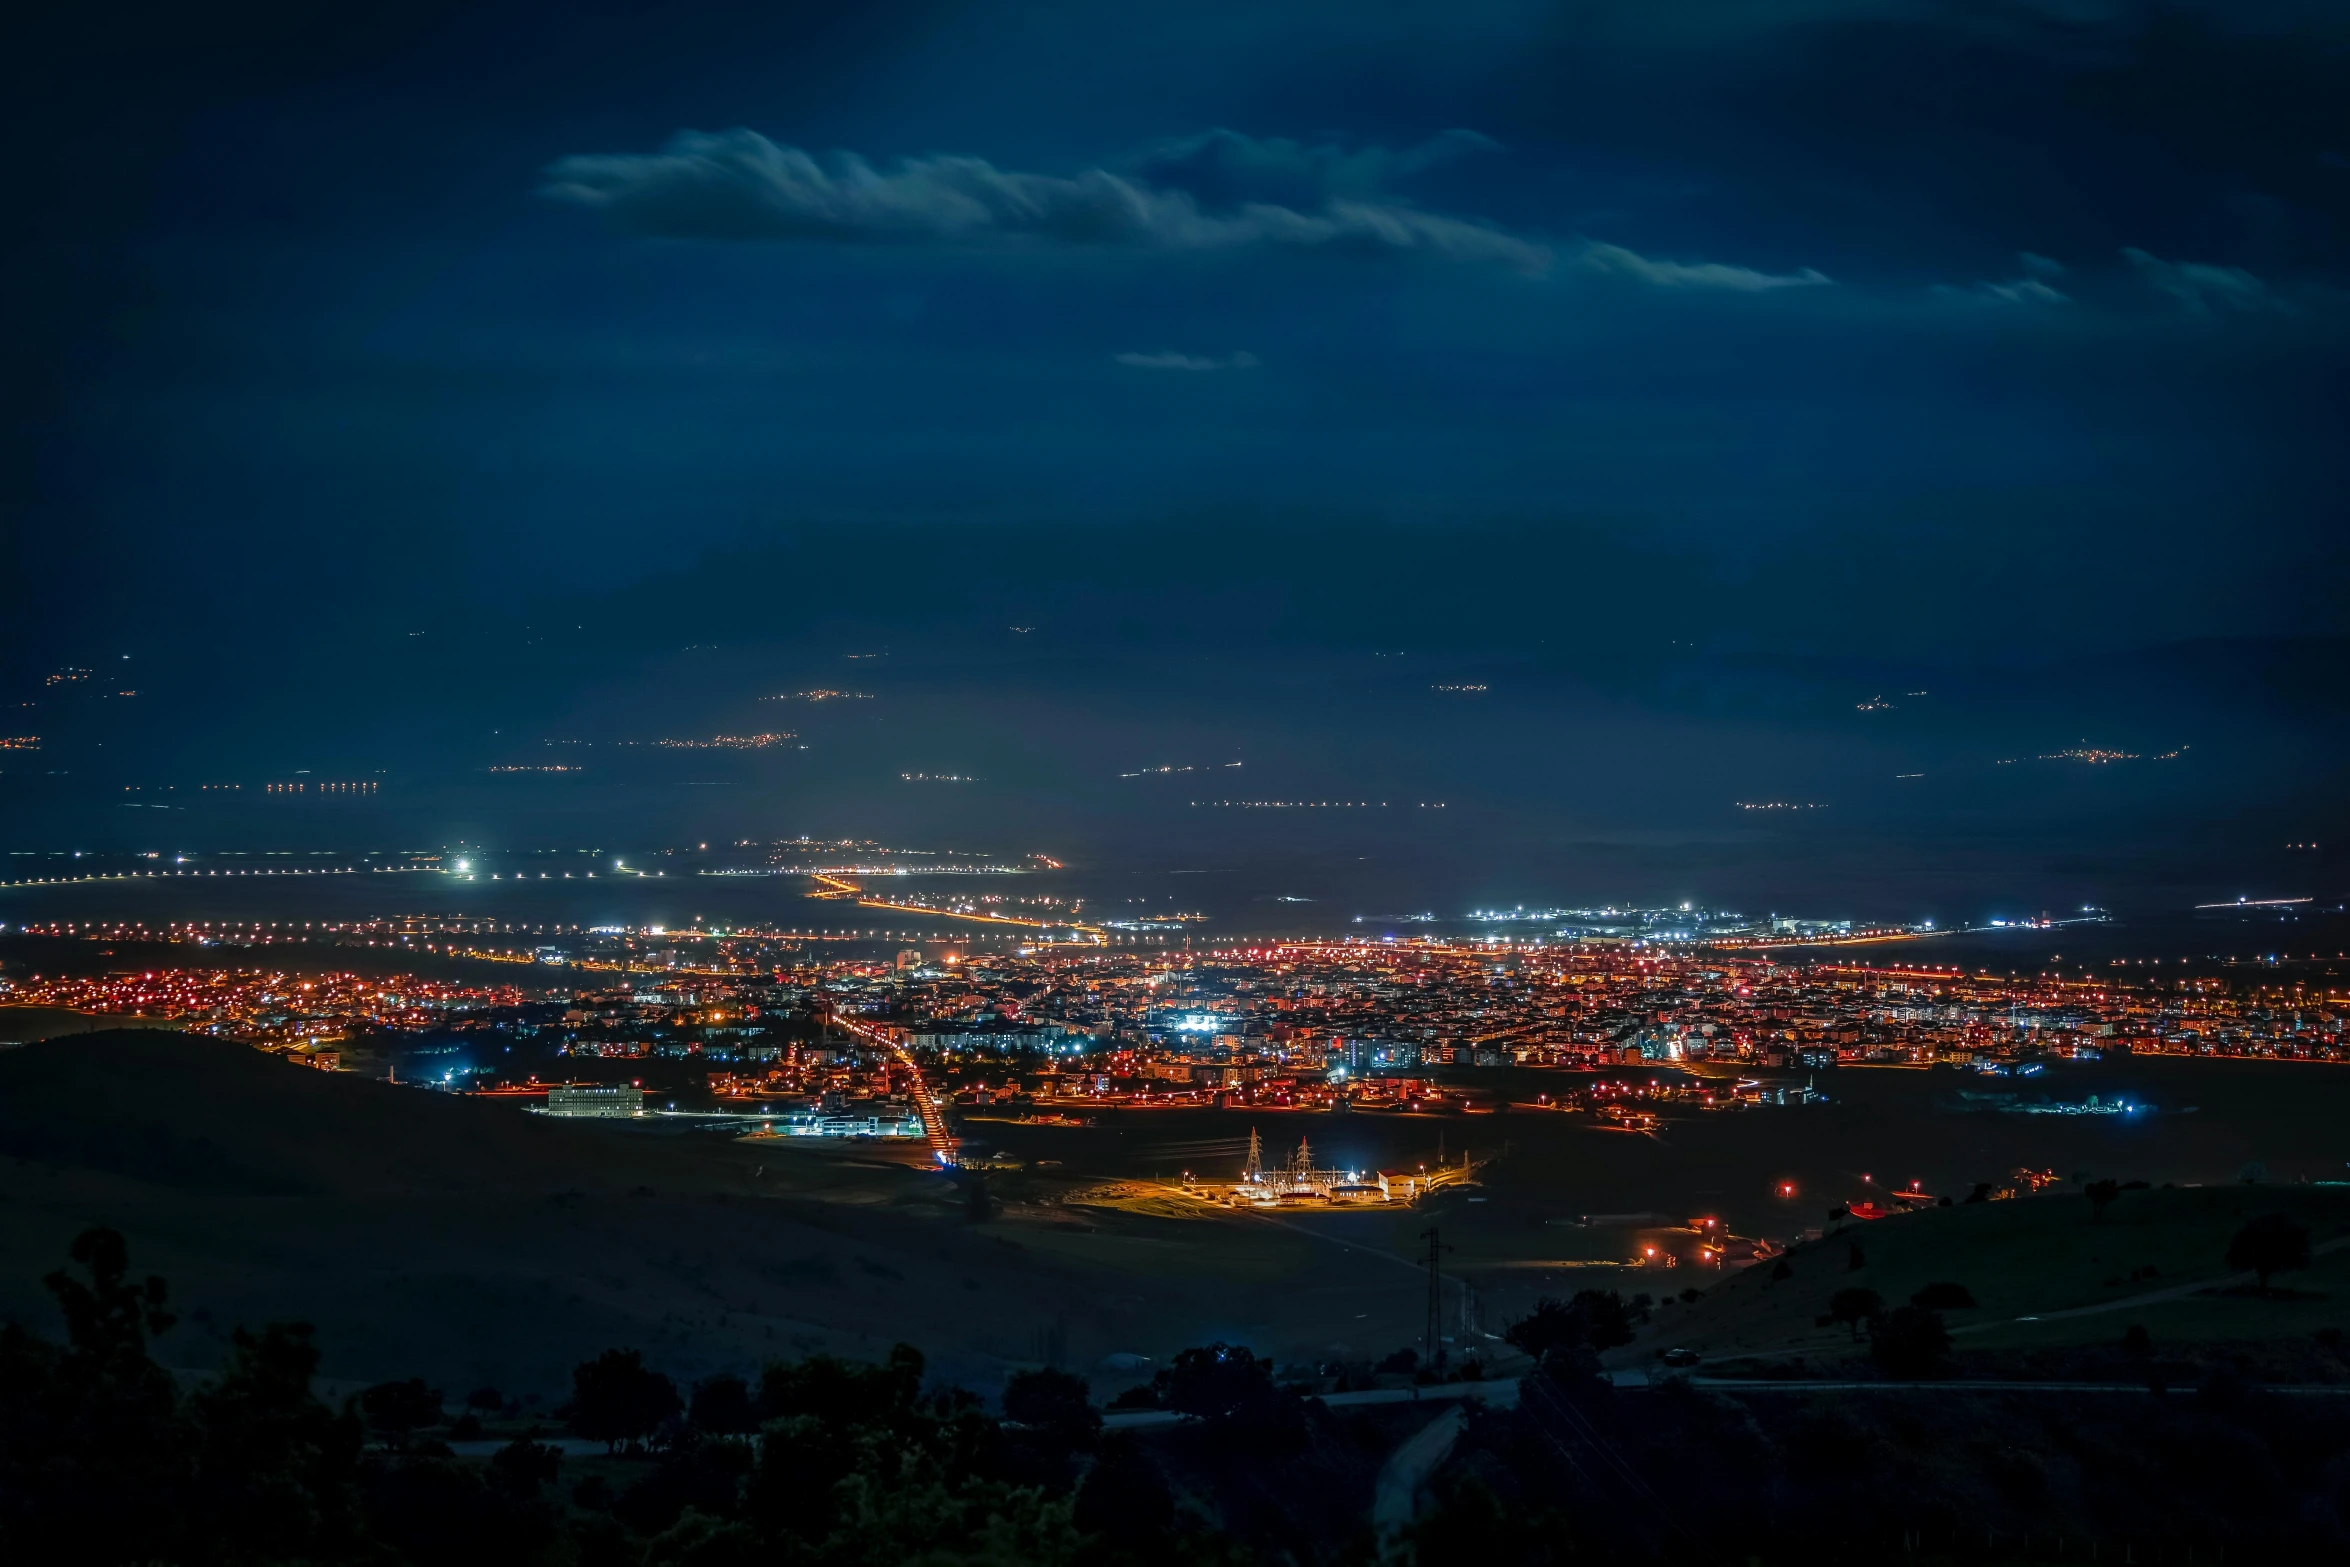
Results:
<point x="2269" y="1245"/>
<point x="1593" y="1319"/>
<point x="614" y="1399"/>
<point x="1125" y="1498"/>
<point x="1055" y="1403"/>
<point x="722" y="1406"/>
<point x="398" y="1408"/>
<point x="1909" y="1342"/>
<point x="1852" y="1307"/>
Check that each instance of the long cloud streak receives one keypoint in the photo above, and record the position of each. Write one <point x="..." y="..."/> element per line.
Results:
<point x="738" y="185"/>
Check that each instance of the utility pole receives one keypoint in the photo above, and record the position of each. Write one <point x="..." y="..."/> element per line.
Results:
<point x="1434" y="1336"/>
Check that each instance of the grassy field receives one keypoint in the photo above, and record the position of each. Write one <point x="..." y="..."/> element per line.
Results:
<point x="2153" y="1260"/>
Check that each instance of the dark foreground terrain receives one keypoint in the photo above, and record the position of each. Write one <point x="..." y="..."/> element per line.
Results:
<point x="469" y="1241"/>
<point x="396" y="1327"/>
<point x="107" y="1457"/>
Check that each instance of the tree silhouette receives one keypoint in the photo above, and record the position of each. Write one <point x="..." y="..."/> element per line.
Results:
<point x="1909" y="1342"/>
<point x="108" y="1320"/>
<point x="1593" y="1319"/>
<point x="398" y="1408"/>
<point x="2269" y="1245"/>
<point x="1125" y="1498"/>
<point x="1551" y="1326"/>
<point x="1231" y="1386"/>
<point x="264" y="1440"/>
<point x="614" y="1399"/>
<point x="1852" y="1307"/>
<point x="92" y="1441"/>
<point x="1054" y="1403"/>
<point x="1217" y="1381"/>
<point x="1470" y="1526"/>
<point x="522" y="1468"/>
<point x="722" y="1406"/>
<point x="842" y="1393"/>
<point x="104" y="1460"/>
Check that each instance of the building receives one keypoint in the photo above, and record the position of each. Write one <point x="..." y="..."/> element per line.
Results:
<point x="606" y="1102"/>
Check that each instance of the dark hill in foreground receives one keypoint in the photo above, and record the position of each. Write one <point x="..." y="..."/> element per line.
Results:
<point x="199" y="1114"/>
<point x="473" y="1243"/>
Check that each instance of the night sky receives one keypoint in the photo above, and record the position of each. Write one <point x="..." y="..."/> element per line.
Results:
<point x="399" y="385"/>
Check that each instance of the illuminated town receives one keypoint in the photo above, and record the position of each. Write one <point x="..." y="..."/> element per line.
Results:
<point x="813" y="1030"/>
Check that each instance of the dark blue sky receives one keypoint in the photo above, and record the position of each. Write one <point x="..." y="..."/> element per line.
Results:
<point x="1858" y="330"/>
<point x="436" y="301"/>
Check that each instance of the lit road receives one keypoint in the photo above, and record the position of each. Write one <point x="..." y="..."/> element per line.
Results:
<point x="840" y="887"/>
<point x="934" y="1121"/>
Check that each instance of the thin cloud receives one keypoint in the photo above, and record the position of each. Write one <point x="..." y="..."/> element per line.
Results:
<point x="2025" y="291"/>
<point x="1171" y="360"/>
<point x="738" y="185"/>
<point x="2201" y="287"/>
<point x="2032" y="288"/>
<point x="1620" y="262"/>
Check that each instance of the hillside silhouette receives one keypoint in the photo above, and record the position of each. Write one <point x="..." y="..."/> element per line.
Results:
<point x="467" y="1240"/>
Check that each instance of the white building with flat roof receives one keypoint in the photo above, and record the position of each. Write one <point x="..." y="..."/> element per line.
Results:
<point x="624" y="1101"/>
